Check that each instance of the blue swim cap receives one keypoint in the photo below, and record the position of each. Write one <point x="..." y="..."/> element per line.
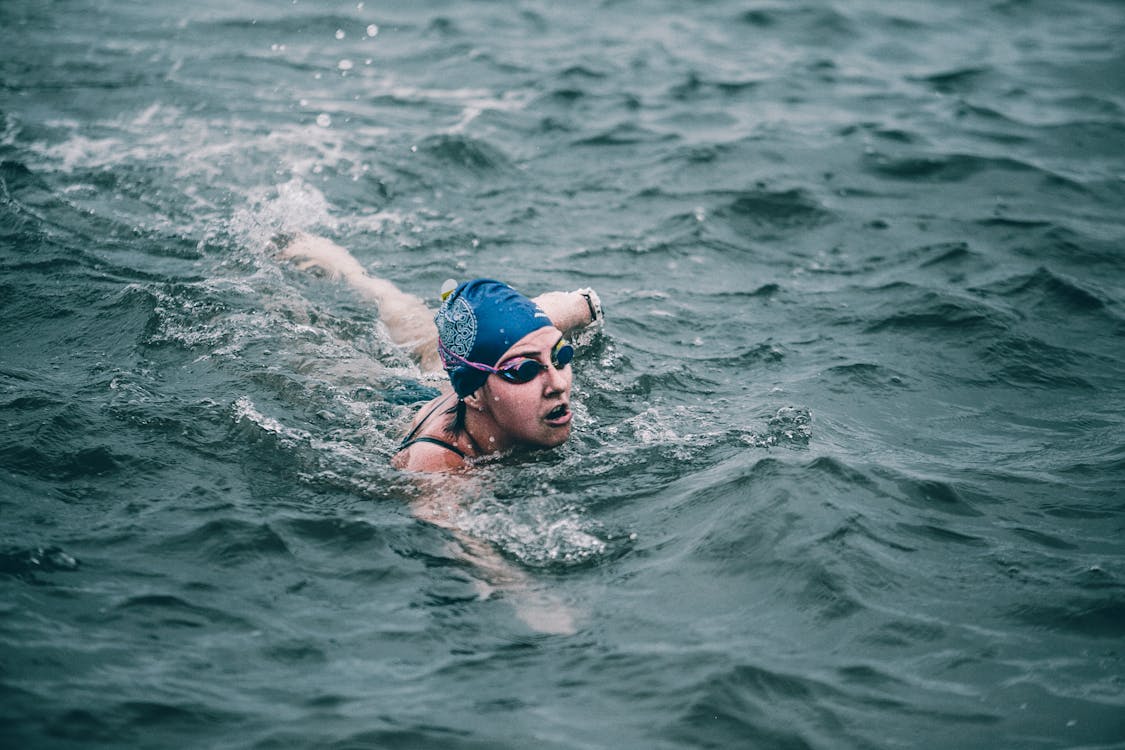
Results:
<point x="479" y="321"/>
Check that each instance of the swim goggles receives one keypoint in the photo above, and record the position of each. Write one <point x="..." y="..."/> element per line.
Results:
<point x="519" y="371"/>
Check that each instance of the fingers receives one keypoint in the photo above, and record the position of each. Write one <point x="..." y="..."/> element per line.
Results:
<point x="317" y="255"/>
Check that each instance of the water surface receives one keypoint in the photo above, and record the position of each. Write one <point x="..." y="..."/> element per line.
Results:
<point x="848" y="454"/>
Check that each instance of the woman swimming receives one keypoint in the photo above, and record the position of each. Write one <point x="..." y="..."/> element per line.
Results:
<point x="509" y="377"/>
<point x="506" y="356"/>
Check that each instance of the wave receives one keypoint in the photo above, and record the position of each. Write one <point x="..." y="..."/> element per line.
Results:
<point x="25" y="563"/>
<point x="772" y="214"/>
<point x="741" y="701"/>
<point x="938" y="495"/>
<point x="771" y="706"/>
<point x="1060" y="245"/>
<point x="808" y="23"/>
<point x="144" y="720"/>
<point x="868" y="376"/>
<point x="736" y="517"/>
<point x="47" y="449"/>
<point x="1025" y="361"/>
<point x="696" y="86"/>
<point x="1043" y="289"/>
<point x="471" y="157"/>
<point x="956" y="81"/>
<point x="939" y="313"/>
<point x="227" y="542"/>
<point x="625" y="134"/>
<point x="947" y="253"/>
<point x="300" y="21"/>
<point x="942" y="167"/>
<point x="1101" y="617"/>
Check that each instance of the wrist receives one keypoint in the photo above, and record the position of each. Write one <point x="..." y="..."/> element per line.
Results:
<point x="593" y="304"/>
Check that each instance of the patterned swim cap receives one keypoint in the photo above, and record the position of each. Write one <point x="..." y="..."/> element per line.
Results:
<point x="479" y="321"/>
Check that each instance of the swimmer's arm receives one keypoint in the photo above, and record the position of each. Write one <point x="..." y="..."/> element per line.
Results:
<point x="570" y="311"/>
<point x="409" y="322"/>
<point x="407" y="319"/>
<point x="539" y="609"/>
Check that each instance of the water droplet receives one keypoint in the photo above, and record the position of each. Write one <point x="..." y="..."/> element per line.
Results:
<point x="323" y="120"/>
<point x="340" y="34"/>
<point x="345" y="65"/>
<point x="372" y="30"/>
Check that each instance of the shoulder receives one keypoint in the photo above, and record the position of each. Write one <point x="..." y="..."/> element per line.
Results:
<point x="427" y="457"/>
<point x="425" y="447"/>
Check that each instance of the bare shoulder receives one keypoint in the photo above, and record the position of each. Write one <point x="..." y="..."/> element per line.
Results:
<point x="424" y="455"/>
<point x="428" y="457"/>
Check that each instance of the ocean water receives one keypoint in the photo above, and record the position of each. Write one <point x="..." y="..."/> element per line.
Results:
<point x="849" y="452"/>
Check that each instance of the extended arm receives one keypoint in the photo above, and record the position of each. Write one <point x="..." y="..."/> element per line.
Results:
<point x="409" y="322"/>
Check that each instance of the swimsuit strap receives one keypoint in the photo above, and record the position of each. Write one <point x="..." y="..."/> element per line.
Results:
<point x="435" y="441"/>
<point x="422" y="421"/>
<point x="410" y="440"/>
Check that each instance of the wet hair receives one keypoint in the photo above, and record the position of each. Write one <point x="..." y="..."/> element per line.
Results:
<point x="456" y="425"/>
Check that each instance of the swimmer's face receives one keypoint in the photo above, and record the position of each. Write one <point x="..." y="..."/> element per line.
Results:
<point x="536" y="412"/>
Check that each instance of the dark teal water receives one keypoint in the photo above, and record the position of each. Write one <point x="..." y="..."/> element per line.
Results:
<point x="849" y="454"/>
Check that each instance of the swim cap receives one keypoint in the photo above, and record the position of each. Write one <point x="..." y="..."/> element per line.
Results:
<point x="479" y="321"/>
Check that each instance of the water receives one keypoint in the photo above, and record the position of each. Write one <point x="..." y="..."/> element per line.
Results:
<point x="848" y="455"/>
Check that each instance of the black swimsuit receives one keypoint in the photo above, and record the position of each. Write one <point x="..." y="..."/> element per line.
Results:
<point x="410" y="440"/>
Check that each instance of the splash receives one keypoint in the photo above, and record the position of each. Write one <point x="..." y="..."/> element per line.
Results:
<point x="539" y="531"/>
<point x="245" y="412"/>
<point x="288" y="207"/>
<point x="791" y="426"/>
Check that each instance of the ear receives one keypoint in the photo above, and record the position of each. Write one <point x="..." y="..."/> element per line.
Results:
<point x="477" y="401"/>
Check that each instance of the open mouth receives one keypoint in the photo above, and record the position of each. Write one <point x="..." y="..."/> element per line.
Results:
<point x="559" y="412"/>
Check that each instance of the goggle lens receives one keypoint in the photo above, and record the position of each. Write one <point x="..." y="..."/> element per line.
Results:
<point x="562" y="355"/>
<point x="529" y="369"/>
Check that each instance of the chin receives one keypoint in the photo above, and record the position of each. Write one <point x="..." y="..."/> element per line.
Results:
<point x="556" y="438"/>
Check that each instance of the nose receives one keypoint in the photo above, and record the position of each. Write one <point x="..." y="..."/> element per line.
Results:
<point x="557" y="378"/>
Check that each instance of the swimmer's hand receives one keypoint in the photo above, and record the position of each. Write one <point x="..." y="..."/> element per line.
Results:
<point x="318" y="255"/>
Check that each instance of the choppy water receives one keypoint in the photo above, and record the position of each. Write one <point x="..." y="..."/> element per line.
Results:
<point x="849" y="454"/>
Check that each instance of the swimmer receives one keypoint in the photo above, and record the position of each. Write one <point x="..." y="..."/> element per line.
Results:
<point x="508" y="388"/>
<point x="506" y="356"/>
